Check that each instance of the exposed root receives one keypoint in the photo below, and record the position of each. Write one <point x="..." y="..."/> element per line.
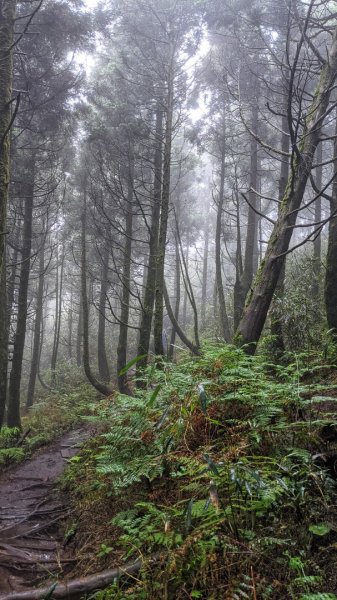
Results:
<point x="82" y="585"/>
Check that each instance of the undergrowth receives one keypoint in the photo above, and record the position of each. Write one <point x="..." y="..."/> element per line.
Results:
<point x="222" y="464"/>
<point x="47" y="419"/>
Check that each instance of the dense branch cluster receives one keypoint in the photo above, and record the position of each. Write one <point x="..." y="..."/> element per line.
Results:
<point x="181" y="188"/>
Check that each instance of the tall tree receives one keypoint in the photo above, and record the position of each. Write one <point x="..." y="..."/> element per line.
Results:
<point x="255" y="314"/>
<point x="101" y="387"/>
<point x="7" y="20"/>
<point x="330" y="284"/>
<point x="37" y="327"/>
<point x="225" y="329"/>
<point x="13" y="413"/>
<point x="126" y="281"/>
<point x="103" y="365"/>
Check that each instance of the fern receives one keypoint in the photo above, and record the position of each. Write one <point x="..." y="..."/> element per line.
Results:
<point x="8" y="436"/>
<point x="11" y="455"/>
<point x="237" y="474"/>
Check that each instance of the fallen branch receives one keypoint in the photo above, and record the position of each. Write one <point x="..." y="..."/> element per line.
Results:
<point x="82" y="585"/>
<point x="23" y="437"/>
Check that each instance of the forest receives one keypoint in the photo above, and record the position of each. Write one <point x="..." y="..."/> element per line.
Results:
<point x="168" y="299"/>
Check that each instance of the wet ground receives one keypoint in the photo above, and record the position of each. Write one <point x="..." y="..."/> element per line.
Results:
<point x="31" y="511"/>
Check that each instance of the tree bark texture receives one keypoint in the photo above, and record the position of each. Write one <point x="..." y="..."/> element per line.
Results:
<point x="7" y="16"/>
<point x="258" y="303"/>
<point x="276" y="330"/>
<point x="192" y="347"/>
<point x="3" y="344"/>
<point x="165" y="201"/>
<point x="37" y="329"/>
<point x="177" y="288"/>
<point x="58" y="313"/>
<point x="317" y="266"/>
<point x="187" y="261"/>
<point x="251" y="250"/>
<point x="150" y="288"/>
<point x="70" y="328"/>
<point x="189" y="288"/>
<point x="82" y="586"/>
<point x="79" y="334"/>
<point x="330" y="284"/>
<point x="13" y="414"/>
<point x="103" y="366"/>
<point x="100" y="387"/>
<point x="205" y="271"/>
<point x="126" y="281"/>
<point x="225" y="329"/>
<point x="238" y="268"/>
<point x="13" y="260"/>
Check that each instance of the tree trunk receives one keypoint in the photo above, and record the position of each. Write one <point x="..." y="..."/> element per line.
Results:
<point x="3" y="343"/>
<point x="192" y="347"/>
<point x="8" y="8"/>
<point x="42" y="382"/>
<point x="37" y="329"/>
<point x="276" y="316"/>
<point x="103" y="366"/>
<point x="317" y="266"/>
<point x="150" y="288"/>
<point x="255" y="314"/>
<point x="126" y="280"/>
<point x="218" y="264"/>
<point x="251" y="252"/>
<point x="13" y="415"/>
<point x="188" y="288"/>
<point x="238" y="268"/>
<point x="58" y="313"/>
<point x="100" y="387"/>
<point x="330" y="284"/>
<point x="160" y="267"/>
<point x="177" y="302"/>
<point x="70" y="328"/>
<point x="205" y="271"/>
<point x="187" y="260"/>
<point x="79" y="334"/>
<point x="13" y="260"/>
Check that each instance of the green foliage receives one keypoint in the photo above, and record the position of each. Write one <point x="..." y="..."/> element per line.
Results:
<point x="58" y="412"/>
<point x="105" y="550"/>
<point x="302" y="313"/>
<point x="66" y="378"/>
<point x="132" y="451"/>
<point x="11" y="455"/>
<point x="215" y="459"/>
<point x="47" y="419"/>
<point x="8" y="436"/>
<point x="320" y="529"/>
<point x="131" y="363"/>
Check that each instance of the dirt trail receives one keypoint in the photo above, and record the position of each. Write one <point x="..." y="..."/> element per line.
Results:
<point x="30" y="513"/>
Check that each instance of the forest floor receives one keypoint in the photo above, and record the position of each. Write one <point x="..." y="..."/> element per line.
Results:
<point x="31" y="513"/>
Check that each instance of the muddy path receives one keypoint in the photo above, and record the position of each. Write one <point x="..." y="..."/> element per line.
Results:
<point x="31" y="511"/>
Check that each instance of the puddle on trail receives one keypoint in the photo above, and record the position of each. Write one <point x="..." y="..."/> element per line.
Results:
<point x="30" y="513"/>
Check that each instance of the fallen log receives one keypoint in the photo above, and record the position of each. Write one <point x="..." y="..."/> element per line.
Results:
<point x="82" y="585"/>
